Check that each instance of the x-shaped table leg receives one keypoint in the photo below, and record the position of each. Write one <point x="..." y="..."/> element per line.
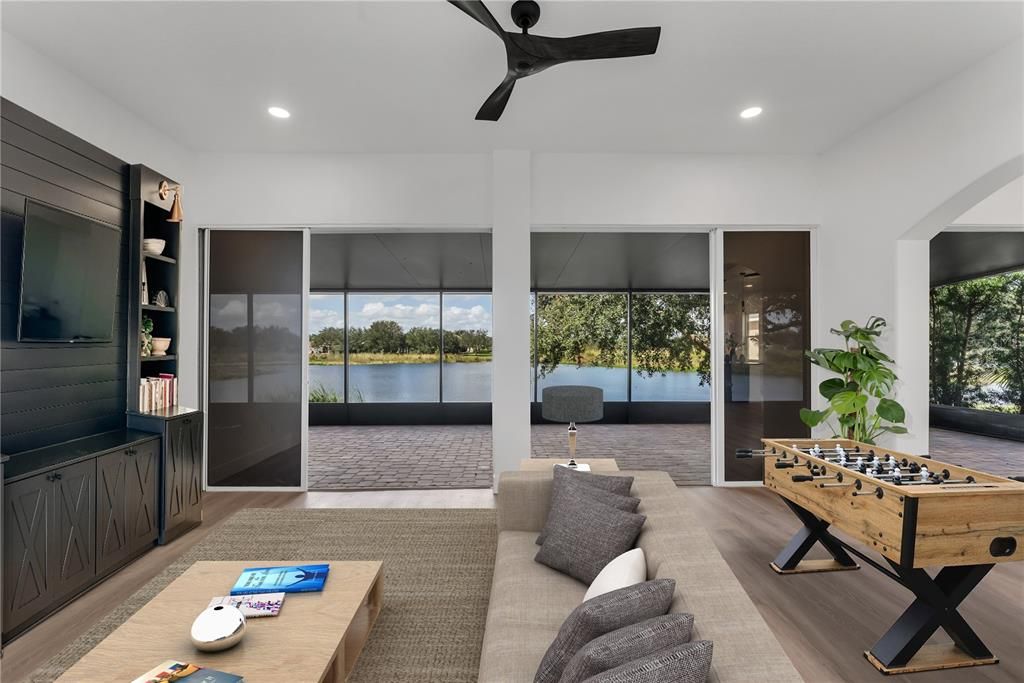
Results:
<point x="935" y="606"/>
<point x="814" y="530"/>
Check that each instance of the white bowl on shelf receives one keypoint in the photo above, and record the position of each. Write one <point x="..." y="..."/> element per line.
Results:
<point x="153" y="246"/>
<point x="160" y="345"/>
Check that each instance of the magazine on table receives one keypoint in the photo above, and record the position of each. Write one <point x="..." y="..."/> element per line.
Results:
<point x="296" y="579"/>
<point x="173" y="671"/>
<point x="252" y="606"/>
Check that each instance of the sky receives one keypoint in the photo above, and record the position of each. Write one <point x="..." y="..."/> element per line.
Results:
<point x="461" y="311"/>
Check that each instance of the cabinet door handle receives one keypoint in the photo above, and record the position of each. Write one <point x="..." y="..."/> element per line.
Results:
<point x="57" y="475"/>
<point x="50" y="477"/>
<point x="187" y="420"/>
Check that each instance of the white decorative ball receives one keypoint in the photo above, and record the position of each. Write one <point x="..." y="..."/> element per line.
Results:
<point x="218" y="628"/>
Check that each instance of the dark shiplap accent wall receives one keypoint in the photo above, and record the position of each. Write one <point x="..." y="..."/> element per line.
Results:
<point x="54" y="392"/>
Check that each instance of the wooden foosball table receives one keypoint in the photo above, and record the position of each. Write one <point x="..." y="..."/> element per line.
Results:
<point x="914" y="512"/>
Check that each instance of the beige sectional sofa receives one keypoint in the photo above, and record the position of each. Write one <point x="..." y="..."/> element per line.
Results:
<point x="529" y="601"/>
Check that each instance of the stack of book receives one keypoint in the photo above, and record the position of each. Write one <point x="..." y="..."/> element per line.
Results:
<point x="158" y="392"/>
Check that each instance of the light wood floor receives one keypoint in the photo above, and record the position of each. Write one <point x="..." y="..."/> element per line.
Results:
<point x="824" y="621"/>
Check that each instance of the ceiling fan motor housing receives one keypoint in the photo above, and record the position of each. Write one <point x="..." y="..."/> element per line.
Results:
<point x="525" y="13"/>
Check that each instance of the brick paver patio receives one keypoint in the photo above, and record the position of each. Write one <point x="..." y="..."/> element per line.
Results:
<point x="459" y="456"/>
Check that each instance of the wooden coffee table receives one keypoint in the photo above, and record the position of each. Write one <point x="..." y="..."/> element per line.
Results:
<point x="545" y="464"/>
<point x="316" y="637"/>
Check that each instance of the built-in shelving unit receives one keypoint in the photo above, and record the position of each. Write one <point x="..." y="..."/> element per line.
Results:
<point x="148" y="220"/>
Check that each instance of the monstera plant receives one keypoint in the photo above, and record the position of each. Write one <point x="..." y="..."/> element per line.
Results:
<point x="859" y="406"/>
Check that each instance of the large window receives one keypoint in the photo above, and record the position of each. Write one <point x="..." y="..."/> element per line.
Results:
<point x="327" y="348"/>
<point x="466" y="372"/>
<point x="636" y="347"/>
<point x="671" y="340"/>
<point x="977" y="343"/>
<point x="394" y="346"/>
<point x="581" y="339"/>
<point x="386" y="348"/>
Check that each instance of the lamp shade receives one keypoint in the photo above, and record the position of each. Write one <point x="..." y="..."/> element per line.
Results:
<point x="572" y="404"/>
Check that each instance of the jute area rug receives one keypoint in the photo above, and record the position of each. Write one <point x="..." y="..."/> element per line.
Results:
<point x="437" y="580"/>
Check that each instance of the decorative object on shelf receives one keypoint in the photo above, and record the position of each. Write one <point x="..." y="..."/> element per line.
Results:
<point x="153" y="246"/>
<point x="146" y="336"/>
<point x="858" y="397"/>
<point x="176" y="216"/>
<point x="145" y="286"/>
<point x="218" y="628"/>
<point x="572" y="404"/>
<point x="160" y="345"/>
<point x="161" y="299"/>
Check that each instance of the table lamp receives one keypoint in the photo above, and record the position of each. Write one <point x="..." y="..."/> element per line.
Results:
<point x="572" y="404"/>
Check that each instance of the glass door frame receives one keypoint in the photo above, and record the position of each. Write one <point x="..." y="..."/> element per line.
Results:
<point x="717" y="255"/>
<point x="205" y="233"/>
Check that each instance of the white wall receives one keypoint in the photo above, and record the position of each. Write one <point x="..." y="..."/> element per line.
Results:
<point x="905" y="177"/>
<point x="674" y="189"/>
<point x="1002" y="208"/>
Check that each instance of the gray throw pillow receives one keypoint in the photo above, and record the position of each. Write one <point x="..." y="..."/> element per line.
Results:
<point x="604" y="614"/>
<point x="614" y="483"/>
<point x="688" y="663"/>
<point x="564" y="479"/>
<point x="584" y="535"/>
<point x="627" y="644"/>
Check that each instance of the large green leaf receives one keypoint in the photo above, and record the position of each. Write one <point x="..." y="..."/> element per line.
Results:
<point x="891" y="410"/>
<point x="813" y="418"/>
<point x="831" y="387"/>
<point x="846" y="402"/>
<point x="896" y="429"/>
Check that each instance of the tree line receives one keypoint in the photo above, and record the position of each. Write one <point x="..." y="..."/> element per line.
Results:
<point x="387" y="336"/>
<point x="977" y="343"/>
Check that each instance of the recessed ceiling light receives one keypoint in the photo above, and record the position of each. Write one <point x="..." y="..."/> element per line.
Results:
<point x="278" y="112"/>
<point x="750" y="112"/>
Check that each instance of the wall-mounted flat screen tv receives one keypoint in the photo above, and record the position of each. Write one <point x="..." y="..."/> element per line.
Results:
<point x="68" y="277"/>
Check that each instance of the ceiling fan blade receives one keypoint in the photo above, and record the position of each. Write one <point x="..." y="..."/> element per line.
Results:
<point x="629" y="42"/>
<point x="479" y="11"/>
<point x="494" y="105"/>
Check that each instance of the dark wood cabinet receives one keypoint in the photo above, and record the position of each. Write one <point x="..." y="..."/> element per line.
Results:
<point x="127" y="516"/>
<point x="74" y="529"/>
<point x="183" y="467"/>
<point x="111" y="510"/>
<point x="143" y="480"/>
<point x="28" y="548"/>
<point x="67" y="527"/>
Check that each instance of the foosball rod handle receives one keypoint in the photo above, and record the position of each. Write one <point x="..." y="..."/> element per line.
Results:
<point x="798" y="478"/>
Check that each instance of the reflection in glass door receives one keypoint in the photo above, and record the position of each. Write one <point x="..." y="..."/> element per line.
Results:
<point x="255" y="387"/>
<point x="765" y="329"/>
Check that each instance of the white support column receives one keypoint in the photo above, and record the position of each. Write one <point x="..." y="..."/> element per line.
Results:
<point x="510" y="382"/>
<point x="911" y="328"/>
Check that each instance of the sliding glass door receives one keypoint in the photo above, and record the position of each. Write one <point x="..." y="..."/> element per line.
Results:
<point x="764" y="303"/>
<point x="256" y="358"/>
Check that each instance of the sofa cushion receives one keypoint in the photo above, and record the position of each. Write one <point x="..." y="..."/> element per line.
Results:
<point x="601" y="488"/>
<point x="584" y="535"/>
<point x="627" y="644"/>
<point x="687" y="663"/>
<point x="603" y="614"/>
<point x="628" y="568"/>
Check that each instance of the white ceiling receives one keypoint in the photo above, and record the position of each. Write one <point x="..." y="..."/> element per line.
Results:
<point x="409" y="76"/>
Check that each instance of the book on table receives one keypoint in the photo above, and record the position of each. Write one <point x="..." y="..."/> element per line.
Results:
<point x="254" y="605"/>
<point x="296" y="579"/>
<point x="173" y="671"/>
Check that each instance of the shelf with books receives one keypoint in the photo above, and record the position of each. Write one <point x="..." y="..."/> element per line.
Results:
<point x="155" y="245"/>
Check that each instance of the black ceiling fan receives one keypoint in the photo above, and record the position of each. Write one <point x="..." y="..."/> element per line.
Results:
<point x="528" y="54"/>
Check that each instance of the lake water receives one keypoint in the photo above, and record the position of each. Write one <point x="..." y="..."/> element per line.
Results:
<point x="411" y="382"/>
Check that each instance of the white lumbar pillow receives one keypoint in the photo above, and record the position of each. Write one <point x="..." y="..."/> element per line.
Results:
<point x="627" y="569"/>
